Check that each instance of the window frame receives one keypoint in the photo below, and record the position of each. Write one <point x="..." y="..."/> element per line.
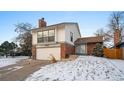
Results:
<point x="51" y="36"/>
<point x="71" y="37"/>
<point x="47" y="41"/>
<point x="38" y="38"/>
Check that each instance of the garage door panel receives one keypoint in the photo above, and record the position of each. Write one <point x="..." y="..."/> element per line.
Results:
<point x="44" y="53"/>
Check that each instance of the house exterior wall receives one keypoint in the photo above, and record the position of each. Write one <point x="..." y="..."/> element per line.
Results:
<point x="34" y="37"/>
<point x="116" y="37"/>
<point x="42" y="51"/>
<point x="33" y="52"/>
<point x="122" y="36"/>
<point x="60" y="34"/>
<point x="45" y="53"/>
<point x="66" y="50"/>
<point x="81" y="49"/>
<point x="90" y="47"/>
<point x="74" y="29"/>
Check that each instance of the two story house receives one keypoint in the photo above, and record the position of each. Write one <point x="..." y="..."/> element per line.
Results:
<point x="56" y="40"/>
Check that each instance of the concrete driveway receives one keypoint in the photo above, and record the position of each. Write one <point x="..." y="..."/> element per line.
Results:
<point x="21" y="70"/>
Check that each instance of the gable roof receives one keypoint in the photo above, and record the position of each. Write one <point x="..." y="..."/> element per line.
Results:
<point x="59" y="24"/>
<point x="98" y="39"/>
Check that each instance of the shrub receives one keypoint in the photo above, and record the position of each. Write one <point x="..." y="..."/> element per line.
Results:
<point x="98" y="50"/>
<point x="53" y="59"/>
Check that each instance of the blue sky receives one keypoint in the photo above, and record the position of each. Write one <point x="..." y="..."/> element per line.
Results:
<point x="88" y="22"/>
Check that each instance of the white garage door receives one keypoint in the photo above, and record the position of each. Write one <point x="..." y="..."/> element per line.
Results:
<point x="44" y="53"/>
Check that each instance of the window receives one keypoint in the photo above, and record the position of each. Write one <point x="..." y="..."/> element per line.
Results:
<point x="40" y="38"/>
<point x="51" y="32"/>
<point x="71" y="36"/>
<point x="83" y="49"/>
<point x="51" y="36"/>
<point x="46" y="36"/>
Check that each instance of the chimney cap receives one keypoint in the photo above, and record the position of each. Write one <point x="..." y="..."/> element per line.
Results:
<point x="42" y="18"/>
<point x="42" y="23"/>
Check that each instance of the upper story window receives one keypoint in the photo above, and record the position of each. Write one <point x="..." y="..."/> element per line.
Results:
<point x="46" y="36"/>
<point x="51" y="35"/>
<point x="39" y="37"/>
<point x="71" y="36"/>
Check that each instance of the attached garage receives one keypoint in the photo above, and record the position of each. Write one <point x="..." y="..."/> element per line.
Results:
<point x="44" y="53"/>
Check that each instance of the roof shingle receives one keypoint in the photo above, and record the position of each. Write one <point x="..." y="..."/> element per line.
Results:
<point x="84" y="40"/>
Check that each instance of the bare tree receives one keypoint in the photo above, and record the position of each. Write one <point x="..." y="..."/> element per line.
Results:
<point x="116" y="21"/>
<point x="99" y="32"/>
<point x="24" y="37"/>
<point x="106" y="37"/>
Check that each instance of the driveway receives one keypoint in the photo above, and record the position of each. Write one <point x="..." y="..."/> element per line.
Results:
<point x="21" y="70"/>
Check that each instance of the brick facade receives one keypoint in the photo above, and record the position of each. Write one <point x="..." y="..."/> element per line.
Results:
<point x="90" y="47"/>
<point x="116" y="37"/>
<point x="42" y="23"/>
<point x="33" y="52"/>
<point x="66" y="50"/>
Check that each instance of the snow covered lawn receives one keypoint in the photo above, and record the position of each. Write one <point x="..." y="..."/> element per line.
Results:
<point x="83" y="68"/>
<point x="9" y="61"/>
<point x="119" y="64"/>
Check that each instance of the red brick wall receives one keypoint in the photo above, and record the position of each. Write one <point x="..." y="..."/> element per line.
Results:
<point x="42" y="23"/>
<point x="66" y="50"/>
<point x="33" y="52"/>
<point x="90" y="47"/>
<point x="116" y="37"/>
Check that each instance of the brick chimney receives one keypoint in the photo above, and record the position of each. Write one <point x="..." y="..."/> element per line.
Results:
<point x="117" y="36"/>
<point x="42" y="23"/>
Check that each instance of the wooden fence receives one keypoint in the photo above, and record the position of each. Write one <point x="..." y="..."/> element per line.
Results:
<point x="115" y="53"/>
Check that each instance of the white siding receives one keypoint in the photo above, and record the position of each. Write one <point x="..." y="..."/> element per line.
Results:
<point x="122" y="35"/>
<point x="60" y="34"/>
<point x="71" y="28"/>
<point x="44" y="53"/>
<point x="34" y="38"/>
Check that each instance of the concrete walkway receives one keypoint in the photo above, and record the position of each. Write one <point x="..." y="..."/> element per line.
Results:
<point x="21" y="70"/>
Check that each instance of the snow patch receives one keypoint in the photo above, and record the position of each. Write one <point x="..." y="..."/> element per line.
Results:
<point x="9" y="61"/>
<point x="83" y="68"/>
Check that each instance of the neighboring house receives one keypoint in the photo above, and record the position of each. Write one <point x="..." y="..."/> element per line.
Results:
<point x="56" y="40"/>
<point x="119" y="40"/>
<point x="87" y="44"/>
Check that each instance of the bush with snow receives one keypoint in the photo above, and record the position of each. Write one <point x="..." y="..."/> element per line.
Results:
<point x="98" y="50"/>
<point x="83" y="68"/>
